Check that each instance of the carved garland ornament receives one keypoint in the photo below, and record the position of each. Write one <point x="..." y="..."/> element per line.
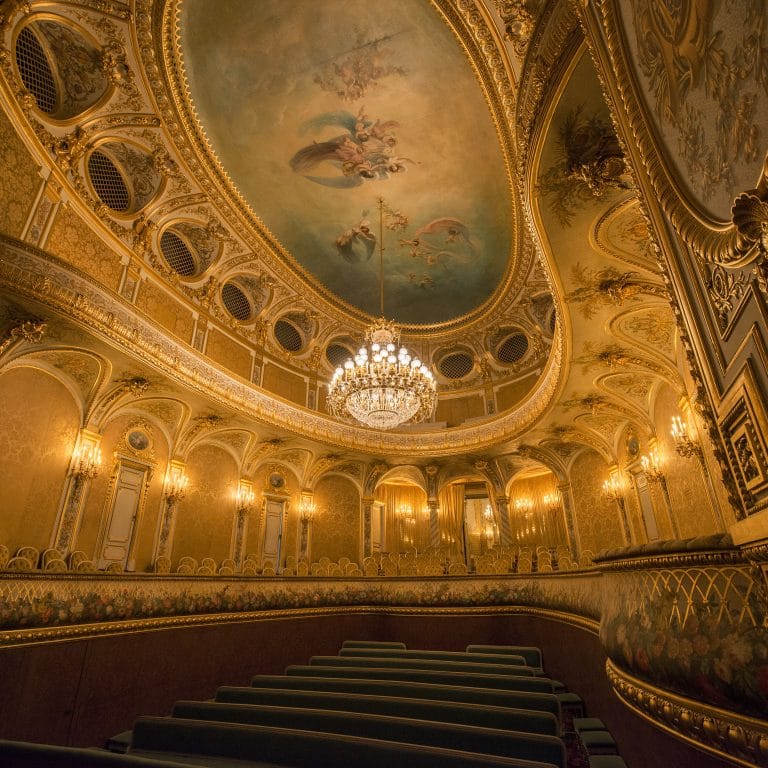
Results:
<point x="743" y="740"/>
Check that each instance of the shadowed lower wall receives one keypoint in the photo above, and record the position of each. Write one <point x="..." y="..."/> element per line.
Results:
<point x="75" y="692"/>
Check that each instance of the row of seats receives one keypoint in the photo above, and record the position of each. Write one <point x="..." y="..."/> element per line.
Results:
<point x="52" y="560"/>
<point x="377" y="703"/>
<point x="430" y="563"/>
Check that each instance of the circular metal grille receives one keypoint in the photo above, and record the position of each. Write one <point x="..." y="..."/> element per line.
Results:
<point x="512" y="349"/>
<point x="288" y="336"/>
<point x="236" y="302"/>
<point x="337" y="355"/>
<point x="35" y="71"/>
<point x="456" y="365"/>
<point x="108" y="182"/>
<point x="177" y="254"/>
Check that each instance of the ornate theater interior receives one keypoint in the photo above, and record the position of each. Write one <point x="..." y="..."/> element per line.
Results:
<point x="214" y="218"/>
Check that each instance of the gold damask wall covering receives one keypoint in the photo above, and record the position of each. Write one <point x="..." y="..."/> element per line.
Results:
<point x="164" y="309"/>
<point x="693" y="490"/>
<point x="229" y="353"/>
<point x="285" y="383"/>
<point x="74" y="241"/>
<point x="597" y="518"/>
<point x="206" y="514"/>
<point x="40" y="422"/>
<point x="19" y="181"/>
<point x="336" y="527"/>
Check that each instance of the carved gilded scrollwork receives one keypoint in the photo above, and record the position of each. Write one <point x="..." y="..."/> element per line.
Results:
<point x="25" y="331"/>
<point x="742" y="740"/>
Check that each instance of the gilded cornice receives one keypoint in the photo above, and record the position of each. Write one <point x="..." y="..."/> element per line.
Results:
<point x="160" y="50"/>
<point x="554" y="35"/>
<point x="738" y="739"/>
<point x="712" y="241"/>
<point x="24" y="270"/>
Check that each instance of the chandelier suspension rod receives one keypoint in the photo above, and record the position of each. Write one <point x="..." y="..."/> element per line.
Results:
<point x="381" y="254"/>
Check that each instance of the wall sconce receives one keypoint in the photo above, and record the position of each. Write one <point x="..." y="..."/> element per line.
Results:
<point x="612" y="489"/>
<point x="307" y="511"/>
<point x="684" y="444"/>
<point x="87" y="461"/>
<point x="523" y="504"/>
<point x="651" y="464"/>
<point x="245" y="499"/>
<point x="176" y="485"/>
<point x="552" y="501"/>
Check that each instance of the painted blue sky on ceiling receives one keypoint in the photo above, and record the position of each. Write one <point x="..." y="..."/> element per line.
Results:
<point x="319" y="110"/>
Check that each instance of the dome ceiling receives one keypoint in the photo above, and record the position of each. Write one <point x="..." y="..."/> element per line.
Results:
<point x="318" y="112"/>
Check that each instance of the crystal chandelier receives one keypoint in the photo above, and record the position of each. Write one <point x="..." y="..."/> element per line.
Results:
<point x="383" y="386"/>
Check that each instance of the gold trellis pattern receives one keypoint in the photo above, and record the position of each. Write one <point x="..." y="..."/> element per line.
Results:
<point x="698" y="630"/>
<point x="724" y="593"/>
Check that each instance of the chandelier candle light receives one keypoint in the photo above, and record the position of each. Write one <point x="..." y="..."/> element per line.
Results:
<point x="383" y="386"/>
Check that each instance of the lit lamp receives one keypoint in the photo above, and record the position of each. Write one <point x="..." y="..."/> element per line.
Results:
<point x="87" y="461"/>
<point x="612" y="490"/>
<point x="245" y="499"/>
<point x="684" y="444"/>
<point x="552" y="501"/>
<point x="384" y="385"/>
<point x="307" y="511"/>
<point x="651" y="463"/>
<point x="175" y="490"/>
<point x="176" y="486"/>
<point x="652" y="466"/>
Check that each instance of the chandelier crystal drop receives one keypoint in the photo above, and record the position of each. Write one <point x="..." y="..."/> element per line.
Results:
<point x="384" y="386"/>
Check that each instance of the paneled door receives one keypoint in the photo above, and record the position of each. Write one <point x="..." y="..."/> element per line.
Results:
<point x="273" y="531"/>
<point x="122" y="516"/>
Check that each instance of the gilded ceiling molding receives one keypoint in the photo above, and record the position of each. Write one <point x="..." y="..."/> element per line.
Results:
<point x="735" y="738"/>
<point x="556" y="33"/>
<point x="28" y="272"/>
<point x="157" y="28"/>
<point x="21" y="333"/>
<point x="728" y="243"/>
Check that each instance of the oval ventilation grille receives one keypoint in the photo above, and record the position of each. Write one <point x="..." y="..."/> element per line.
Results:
<point x="337" y="355"/>
<point x="456" y="365"/>
<point x="512" y="349"/>
<point x="236" y="302"/>
<point x="177" y="254"/>
<point x="35" y="71"/>
<point x="288" y="336"/>
<point x="108" y="182"/>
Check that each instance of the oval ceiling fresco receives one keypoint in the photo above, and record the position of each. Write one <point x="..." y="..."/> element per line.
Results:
<point x="349" y="127"/>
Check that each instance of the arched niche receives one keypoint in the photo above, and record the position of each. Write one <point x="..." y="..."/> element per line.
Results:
<point x="536" y="508"/>
<point x="336" y="525"/>
<point x="206" y="514"/>
<point x="40" y="419"/>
